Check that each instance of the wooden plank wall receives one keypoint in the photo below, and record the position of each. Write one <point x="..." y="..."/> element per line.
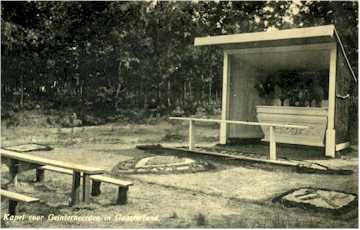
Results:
<point x="243" y="99"/>
<point x="342" y="103"/>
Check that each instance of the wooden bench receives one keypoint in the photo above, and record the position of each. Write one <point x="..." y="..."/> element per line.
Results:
<point x="123" y="186"/>
<point x="14" y="198"/>
<point x="23" y="161"/>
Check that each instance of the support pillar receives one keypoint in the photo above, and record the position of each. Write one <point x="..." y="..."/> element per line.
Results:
<point x="191" y="135"/>
<point x="75" y="191"/>
<point x="40" y="175"/>
<point x="13" y="170"/>
<point x="330" y="147"/>
<point x="272" y="144"/>
<point x="12" y="207"/>
<point x="96" y="188"/>
<point x="86" y="188"/>
<point x="122" y="195"/>
<point x="225" y="99"/>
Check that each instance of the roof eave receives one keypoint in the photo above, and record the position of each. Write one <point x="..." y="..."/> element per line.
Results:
<point x="316" y="34"/>
<point x="301" y="33"/>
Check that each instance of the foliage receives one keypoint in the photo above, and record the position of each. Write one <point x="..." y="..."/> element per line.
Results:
<point x="266" y="88"/>
<point x="103" y="57"/>
<point x="296" y="87"/>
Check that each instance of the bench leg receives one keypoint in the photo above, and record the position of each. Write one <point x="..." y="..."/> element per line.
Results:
<point x="86" y="188"/>
<point x="95" y="190"/>
<point x="75" y="191"/>
<point x="13" y="170"/>
<point x="40" y="175"/>
<point x="12" y="207"/>
<point x="122" y="195"/>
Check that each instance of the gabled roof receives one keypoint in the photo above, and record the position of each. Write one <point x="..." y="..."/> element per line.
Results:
<point x="298" y="36"/>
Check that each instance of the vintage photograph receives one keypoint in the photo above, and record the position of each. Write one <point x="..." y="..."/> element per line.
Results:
<point x="179" y="114"/>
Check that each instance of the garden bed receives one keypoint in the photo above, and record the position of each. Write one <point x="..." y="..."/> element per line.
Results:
<point x="161" y="164"/>
<point x="336" y="202"/>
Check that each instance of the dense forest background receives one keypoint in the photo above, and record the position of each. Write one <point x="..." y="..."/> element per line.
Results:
<point x="116" y="60"/>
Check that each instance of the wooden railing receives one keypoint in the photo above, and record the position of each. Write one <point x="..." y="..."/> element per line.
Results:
<point x="272" y="138"/>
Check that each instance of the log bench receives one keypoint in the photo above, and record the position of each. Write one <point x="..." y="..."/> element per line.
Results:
<point x="14" y="198"/>
<point x="123" y="186"/>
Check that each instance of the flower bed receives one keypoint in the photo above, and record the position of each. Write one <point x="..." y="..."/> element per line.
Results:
<point x="162" y="165"/>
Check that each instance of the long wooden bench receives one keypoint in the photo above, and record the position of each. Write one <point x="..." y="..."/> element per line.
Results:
<point x="14" y="198"/>
<point x="22" y="161"/>
<point x="123" y="186"/>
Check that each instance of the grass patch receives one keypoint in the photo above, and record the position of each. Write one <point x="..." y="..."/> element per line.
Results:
<point x="173" y="135"/>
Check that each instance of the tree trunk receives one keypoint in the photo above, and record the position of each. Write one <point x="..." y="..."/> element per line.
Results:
<point x="158" y="94"/>
<point x="169" y="94"/>
<point x="22" y="91"/>
<point x="210" y="96"/>
<point x="184" y="92"/>
<point x="190" y="91"/>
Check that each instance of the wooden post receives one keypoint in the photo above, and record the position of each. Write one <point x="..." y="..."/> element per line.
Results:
<point x="191" y="135"/>
<point x="330" y="147"/>
<point x="272" y="143"/>
<point x="225" y="99"/>
<point x="96" y="188"/>
<point x="122" y="195"/>
<point x="13" y="170"/>
<point x="75" y="191"/>
<point x="40" y="175"/>
<point x="86" y="188"/>
<point x="12" y="207"/>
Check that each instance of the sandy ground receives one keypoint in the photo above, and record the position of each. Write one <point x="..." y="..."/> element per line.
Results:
<point x="235" y="196"/>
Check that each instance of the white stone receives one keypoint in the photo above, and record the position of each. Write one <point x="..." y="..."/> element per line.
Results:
<point x="320" y="198"/>
<point x="143" y="162"/>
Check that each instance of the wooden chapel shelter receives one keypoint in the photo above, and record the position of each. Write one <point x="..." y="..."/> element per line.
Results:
<point x="248" y="57"/>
